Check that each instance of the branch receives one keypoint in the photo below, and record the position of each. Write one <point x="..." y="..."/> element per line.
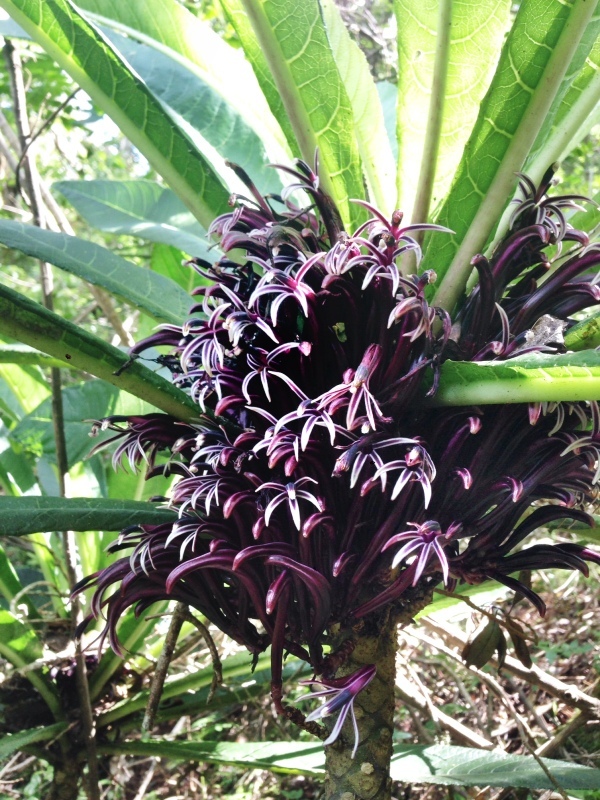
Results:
<point x="570" y="695"/>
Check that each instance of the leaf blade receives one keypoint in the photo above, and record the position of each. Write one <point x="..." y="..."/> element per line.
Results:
<point x="535" y="57"/>
<point x="20" y="516"/>
<point x="475" y="37"/>
<point x="138" y="208"/>
<point x="293" y="38"/>
<point x="158" y="296"/>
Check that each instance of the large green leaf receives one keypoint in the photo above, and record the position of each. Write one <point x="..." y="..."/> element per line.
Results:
<point x="572" y="113"/>
<point x="524" y="379"/>
<point x="154" y="294"/>
<point x="371" y="134"/>
<point x="29" y="322"/>
<point x="294" y="42"/>
<point x="83" y="52"/>
<point x="168" y="26"/>
<point x="17" y="741"/>
<point x="464" y="766"/>
<point x="236" y="14"/>
<point x="138" y="208"/>
<point x="447" y="52"/>
<point x="436" y="764"/>
<point x="23" y="515"/>
<point x="211" y="121"/>
<point x="539" y="48"/>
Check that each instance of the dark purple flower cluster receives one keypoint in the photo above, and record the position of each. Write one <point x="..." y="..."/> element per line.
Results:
<point x="318" y="487"/>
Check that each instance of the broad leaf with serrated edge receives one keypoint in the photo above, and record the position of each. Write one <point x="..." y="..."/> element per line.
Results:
<point x="535" y="57"/>
<point x="168" y="26"/>
<point x="477" y="29"/>
<point x="294" y="41"/>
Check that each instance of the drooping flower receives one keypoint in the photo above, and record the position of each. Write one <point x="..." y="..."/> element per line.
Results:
<point x="343" y="691"/>
<point x="322" y="491"/>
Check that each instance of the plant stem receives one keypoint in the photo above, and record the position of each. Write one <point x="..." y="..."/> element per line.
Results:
<point x="367" y="776"/>
<point x="162" y="666"/>
<point x="435" y="118"/>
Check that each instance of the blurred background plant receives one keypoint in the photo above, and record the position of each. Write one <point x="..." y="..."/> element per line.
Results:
<point x="76" y="722"/>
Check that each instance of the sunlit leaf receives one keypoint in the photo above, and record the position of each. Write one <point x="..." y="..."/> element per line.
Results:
<point x="156" y="295"/>
<point x="23" y="515"/>
<point x="138" y="208"/>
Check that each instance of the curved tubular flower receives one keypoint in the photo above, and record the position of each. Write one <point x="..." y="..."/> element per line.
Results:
<point x="323" y="489"/>
<point x="343" y="691"/>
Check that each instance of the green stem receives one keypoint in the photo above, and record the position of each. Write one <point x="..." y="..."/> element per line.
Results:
<point x="435" y="117"/>
<point x="481" y="383"/>
<point x="30" y="323"/>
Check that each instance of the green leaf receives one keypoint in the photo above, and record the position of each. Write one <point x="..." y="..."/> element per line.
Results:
<point x="543" y="40"/>
<point x="491" y="589"/>
<point x="34" y="325"/>
<point x="371" y="134"/>
<point x="22" y="387"/>
<point x="237" y="17"/>
<point x="23" y="515"/>
<point x="23" y="355"/>
<point x="212" y="120"/>
<point x="585" y="335"/>
<point x="388" y="96"/>
<point x="168" y="26"/>
<point x="83" y="52"/>
<point x="170" y="262"/>
<point x="523" y="379"/>
<point x="11" y="586"/>
<point x="292" y="758"/>
<point x="436" y="764"/>
<point x="138" y="208"/>
<point x="441" y="99"/>
<point x="17" y="741"/>
<point x="572" y="114"/>
<point x="156" y="295"/>
<point x="294" y="41"/>
<point x="448" y="765"/>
